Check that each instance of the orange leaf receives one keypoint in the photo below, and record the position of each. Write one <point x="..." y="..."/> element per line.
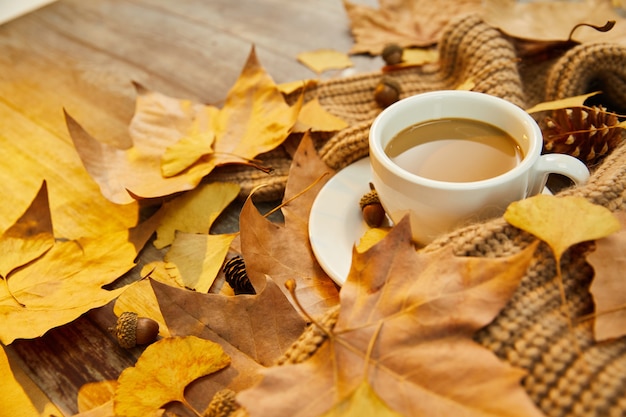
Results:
<point x="609" y="286"/>
<point x="405" y="326"/>
<point x="283" y="252"/>
<point x="313" y="116"/>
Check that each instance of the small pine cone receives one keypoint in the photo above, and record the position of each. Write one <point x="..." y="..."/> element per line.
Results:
<point x="236" y="276"/>
<point x="587" y="133"/>
<point x="223" y="404"/>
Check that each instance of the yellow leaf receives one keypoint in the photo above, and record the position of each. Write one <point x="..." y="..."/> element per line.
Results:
<point x="561" y="221"/>
<point x="67" y="281"/>
<point x="186" y="152"/>
<point x="139" y="298"/>
<point x="575" y="101"/>
<point x="194" y="211"/>
<point x="95" y="394"/>
<point x="29" y="238"/>
<point x="165" y="272"/>
<point x="316" y="118"/>
<point x="163" y="371"/>
<point x="13" y="401"/>
<point x="199" y="257"/>
<point x="363" y="401"/>
<point x="255" y="119"/>
<point x="293" y="86"/>
<point x="413" y="57"/>
<point x="371" y="237"/>
<point x="322" y="60"/>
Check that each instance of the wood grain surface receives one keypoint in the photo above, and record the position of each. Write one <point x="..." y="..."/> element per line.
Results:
<point x="82" y="56"/>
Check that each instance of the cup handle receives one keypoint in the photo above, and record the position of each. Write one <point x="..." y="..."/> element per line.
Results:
<point x="555" y="163"/>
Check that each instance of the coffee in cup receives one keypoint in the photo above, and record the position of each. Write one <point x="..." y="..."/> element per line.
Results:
<point x="448" y="158"/>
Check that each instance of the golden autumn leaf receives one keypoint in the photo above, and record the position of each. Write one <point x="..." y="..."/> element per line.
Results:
<point x="609" y="284"/>
<point x="283" y="252"/>
<point x="67" y="281"/>
<point x="362" y="402"/>
<point x="254" y="119"/>
<point x="194" y="211"/>
<point x="139" y="298"/>
<point x="322" y="60"/>
<point x="371" y="237"/>
<point x="14" y="401"/>
<point x="29" y="237"/>
<point x="405" y="325"/>
<point x="536" y="20"/>
<point x="96" y="394"/>
<point x="561" y="221"/>
<point x="162" y="373"/>
<point x="314" y="117"/>
<point x="575" y="101"/>
<point x="407" y="23"/>
<point x="171" y="137"/>
<point x="199" y="257"/>
<point x="293" y="86"/>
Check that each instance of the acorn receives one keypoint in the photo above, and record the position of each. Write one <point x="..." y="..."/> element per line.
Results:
<point x="392" y="54"/>
<point x="223" y="404"/>
<point x="132" y="330"/>
<point x="372" y="210"/>
<point x="387" y="92"/>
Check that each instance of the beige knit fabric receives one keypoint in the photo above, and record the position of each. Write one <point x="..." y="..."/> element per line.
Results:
<point x="569" y="374"/>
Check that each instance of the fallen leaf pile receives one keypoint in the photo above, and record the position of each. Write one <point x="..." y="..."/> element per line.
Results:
<point x="402" y="344"/>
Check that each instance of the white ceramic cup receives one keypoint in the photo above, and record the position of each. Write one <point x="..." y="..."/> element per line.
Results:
<point x="437" y="207"/>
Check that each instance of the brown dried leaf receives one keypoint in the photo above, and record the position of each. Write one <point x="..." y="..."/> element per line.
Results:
<point x="575" y="101"/>
<point x="554" y="20"/>
<point x="262" y="326"/>
<point x="405" y="326"/>
<point x="609" y="286"/>
<point x="283" y="252"/>
<point x="404" y="22"/>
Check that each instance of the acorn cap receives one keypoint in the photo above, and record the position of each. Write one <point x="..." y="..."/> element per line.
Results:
<point x="369" y="198"/>
<point x="126" y="329"/>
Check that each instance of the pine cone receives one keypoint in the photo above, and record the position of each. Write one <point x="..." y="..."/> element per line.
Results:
<point x="587" y="133"/>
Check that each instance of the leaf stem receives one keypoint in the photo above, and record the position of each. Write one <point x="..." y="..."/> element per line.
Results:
<point x="184" y="402"/>
<point x="284" y="203"/>
<point x="291" y="285"/>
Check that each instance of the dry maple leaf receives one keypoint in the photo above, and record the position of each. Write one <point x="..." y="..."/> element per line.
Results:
<point x="554" y="20"/>
<point x="67" y="281"/>
<point x="404" y="22"/>
<point x="315" y="118"/>
<point x="165" y="131"/>
<point x="405" y="326"/>
<point x="283" y="252"/>
<point x="262" y="326"/>
<point x="609" y="285"/>
<point x="162" y="373"/>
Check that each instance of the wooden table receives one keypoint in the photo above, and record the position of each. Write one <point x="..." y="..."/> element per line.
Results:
<point x="82" y="56"/>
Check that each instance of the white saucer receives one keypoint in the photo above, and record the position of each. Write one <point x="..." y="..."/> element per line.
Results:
<point x="335" y="221"/>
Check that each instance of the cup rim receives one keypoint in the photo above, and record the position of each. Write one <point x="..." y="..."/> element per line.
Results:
<point x="529" y="159"/>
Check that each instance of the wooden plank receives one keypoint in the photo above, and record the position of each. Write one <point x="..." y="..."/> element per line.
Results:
<point x="82" y="56"/>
